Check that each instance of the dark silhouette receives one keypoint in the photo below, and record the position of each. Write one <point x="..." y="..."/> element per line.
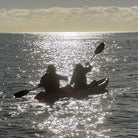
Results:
<point x="50" y="81"/>
<point x="79" y="76"/>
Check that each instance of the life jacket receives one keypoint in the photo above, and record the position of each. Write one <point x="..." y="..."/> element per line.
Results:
<point x="50" y="81"/>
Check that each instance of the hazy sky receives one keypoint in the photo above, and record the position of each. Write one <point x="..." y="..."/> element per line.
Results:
<point x="68" y="15"/>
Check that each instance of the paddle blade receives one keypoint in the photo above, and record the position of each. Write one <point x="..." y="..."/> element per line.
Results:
<point x="21" y="93"/>
<point x="99" y="49"/>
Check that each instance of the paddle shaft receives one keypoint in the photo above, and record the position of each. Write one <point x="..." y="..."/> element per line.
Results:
<point x="34" y="88"/>
<point x="92" y="58"/>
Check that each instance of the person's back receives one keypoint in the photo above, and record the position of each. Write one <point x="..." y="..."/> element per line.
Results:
<point x="50" y="81"/>
<point x="79" y="77"/>
<point x="79" y="80"/>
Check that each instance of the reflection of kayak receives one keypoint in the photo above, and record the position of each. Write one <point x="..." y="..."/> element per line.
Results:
<point x="69" y="91"/>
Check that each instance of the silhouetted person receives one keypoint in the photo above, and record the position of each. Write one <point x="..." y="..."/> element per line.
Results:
<point x="79" y="76"/>
<point x="50" y="81"/>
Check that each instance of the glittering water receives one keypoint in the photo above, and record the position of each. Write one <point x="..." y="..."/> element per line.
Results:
<point x="24" y="58"/>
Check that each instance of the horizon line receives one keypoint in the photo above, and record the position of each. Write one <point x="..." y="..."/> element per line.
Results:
<point x="71" y="32"/>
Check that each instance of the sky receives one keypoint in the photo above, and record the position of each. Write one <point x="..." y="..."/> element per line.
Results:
<point x="68" y="15"/>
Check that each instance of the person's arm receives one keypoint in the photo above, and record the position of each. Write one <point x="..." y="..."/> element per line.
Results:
<point x="63" y="77"/>
<point x="88" y="69"/>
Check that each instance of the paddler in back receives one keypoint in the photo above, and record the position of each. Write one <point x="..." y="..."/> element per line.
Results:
<point x="50" y="80"/>
<point x="79" y="79"/>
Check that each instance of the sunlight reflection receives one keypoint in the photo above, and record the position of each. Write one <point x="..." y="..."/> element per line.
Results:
<point x="77" y="117"/>
<point x="64" y="50"/>
<point x="67" y="117"/>
<point x="21" y="108"/>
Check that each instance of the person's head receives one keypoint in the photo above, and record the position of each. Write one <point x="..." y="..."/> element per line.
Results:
<point x="78" y="67"/>
<point x="51" y="68"/>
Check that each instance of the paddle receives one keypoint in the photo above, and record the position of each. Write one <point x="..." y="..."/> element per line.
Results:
<point x="97" y="51"/>
<point x="23" y="92"/>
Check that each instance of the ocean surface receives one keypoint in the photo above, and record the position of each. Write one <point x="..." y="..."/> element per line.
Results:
<point x="24" y="58"/>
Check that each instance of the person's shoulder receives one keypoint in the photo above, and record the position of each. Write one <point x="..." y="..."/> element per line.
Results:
<point x="46" y="74"/>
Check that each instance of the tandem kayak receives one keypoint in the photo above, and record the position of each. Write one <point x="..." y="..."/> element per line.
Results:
<point x="69" y="91"/>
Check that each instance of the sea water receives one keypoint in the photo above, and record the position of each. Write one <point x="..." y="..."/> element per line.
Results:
<point x="24" y="58"/>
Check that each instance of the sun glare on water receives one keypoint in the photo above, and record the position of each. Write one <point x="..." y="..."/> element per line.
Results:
<point x="76" y="118"/>
<point x="67" y="117"/>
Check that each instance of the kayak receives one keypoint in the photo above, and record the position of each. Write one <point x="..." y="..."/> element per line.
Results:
<point x="69" y="91"/>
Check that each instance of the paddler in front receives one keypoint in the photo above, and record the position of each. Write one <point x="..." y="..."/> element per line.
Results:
<point x="50" y="80"/>
<point x="79" y="79"/>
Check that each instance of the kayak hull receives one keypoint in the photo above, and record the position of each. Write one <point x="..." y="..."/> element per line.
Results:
<point x="69" y="91"/>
